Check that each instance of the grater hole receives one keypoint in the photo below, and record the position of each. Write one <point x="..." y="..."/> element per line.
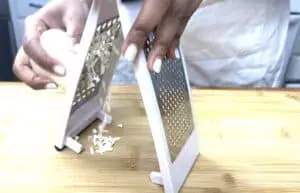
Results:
<point x="104" y="26"/>
<point x="172" y="94"/>
<point x="97" y="62"/>
<point x="109" y="24"/>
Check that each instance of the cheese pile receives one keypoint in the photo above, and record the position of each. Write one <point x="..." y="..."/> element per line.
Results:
<point x="101" y="143"/>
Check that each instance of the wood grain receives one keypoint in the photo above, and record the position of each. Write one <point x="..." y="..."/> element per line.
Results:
<point x="249" y="142"/>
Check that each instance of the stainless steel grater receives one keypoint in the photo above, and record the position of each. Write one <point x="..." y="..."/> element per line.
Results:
<point x="88" y="85"/>
<point x="167" y="100"/>
<point x="172" y="95"/>
<point x="98" y="62"/>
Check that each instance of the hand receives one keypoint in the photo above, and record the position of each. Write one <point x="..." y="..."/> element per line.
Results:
<point x="168" y="18"/>
<point x="68" y="15"/>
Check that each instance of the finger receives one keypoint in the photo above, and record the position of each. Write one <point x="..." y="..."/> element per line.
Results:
<point x="173" y="49"/>
<point x="172" y="53"/>
<point x="193" y="6"/>
<point x="74" y="21"/>
<point x="165" y="34"/>
<point x="34" y="27"/>
<point x="149" y="17"/>
<point x="23" y="71"/>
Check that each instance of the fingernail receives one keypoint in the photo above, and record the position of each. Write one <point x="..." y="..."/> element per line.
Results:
<point x="59" y="70"/>
<point x="157" y="65"/>
<point x="51" y="86"/>
<point x="177" y="53"/>
<point x="131" y="52"/>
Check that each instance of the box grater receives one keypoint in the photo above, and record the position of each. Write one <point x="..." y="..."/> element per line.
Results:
<point x="167" y="100"/>
<point x="87" y="82"/>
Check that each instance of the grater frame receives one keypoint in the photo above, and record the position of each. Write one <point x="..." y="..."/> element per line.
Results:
<point x="101" y="13"/>
<point x="173" y="172"/>
<point x="76" y="117"/>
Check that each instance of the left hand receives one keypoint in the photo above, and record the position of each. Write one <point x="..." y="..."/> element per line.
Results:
<point x="67" y="15"/>
<point x="168" y="18"/>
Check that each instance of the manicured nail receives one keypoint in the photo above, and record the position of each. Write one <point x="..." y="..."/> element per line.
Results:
<point x="157" y="65"/>
<point x="131" y="52"/>
<point x="59" y="70"/>
<point x="177" y="53"/>
<point x="51" y="86"/>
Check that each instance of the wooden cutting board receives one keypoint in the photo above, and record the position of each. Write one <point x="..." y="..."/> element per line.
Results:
<point x="249" y="142"/>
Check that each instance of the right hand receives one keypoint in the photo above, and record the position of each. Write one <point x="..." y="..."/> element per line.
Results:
<point x="67" y="15"/>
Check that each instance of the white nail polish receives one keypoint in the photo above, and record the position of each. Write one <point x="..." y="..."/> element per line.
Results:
<point x="51" y="86"/>
<point x="59" y="70"/>
<point x="131" y="53"/>
<point x="157" y="65"/>
<point x="177" y="53"/>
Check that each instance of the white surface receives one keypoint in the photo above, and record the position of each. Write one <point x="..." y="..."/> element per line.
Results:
<point x="244" y="48"/>
<point x="173" y="174"/>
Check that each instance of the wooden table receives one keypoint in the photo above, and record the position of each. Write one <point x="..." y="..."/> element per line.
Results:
<point x="249" y="141"/>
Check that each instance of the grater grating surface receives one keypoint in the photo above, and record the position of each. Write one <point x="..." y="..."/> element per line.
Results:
<point x="97" y="62"/>
<point x="174" y="102"/>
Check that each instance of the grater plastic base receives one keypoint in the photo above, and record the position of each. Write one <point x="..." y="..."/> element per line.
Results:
<point x="87" y="114"/>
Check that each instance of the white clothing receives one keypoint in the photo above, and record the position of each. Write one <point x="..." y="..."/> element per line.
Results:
<point x="237" y="43"/>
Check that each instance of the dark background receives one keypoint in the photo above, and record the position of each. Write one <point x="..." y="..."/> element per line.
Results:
<point x="6" y="55"/>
